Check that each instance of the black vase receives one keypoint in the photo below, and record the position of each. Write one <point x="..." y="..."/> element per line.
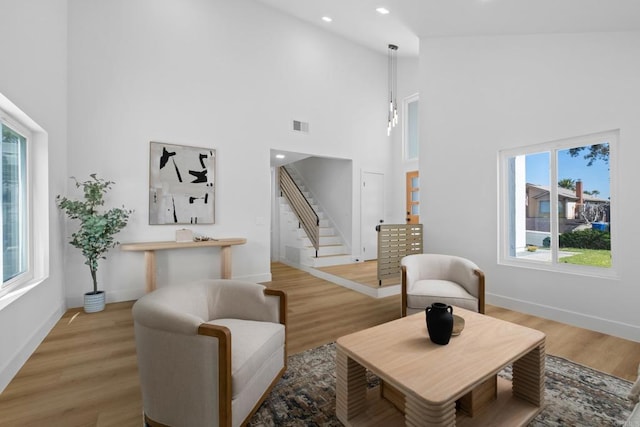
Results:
<point x="439" y="322"/>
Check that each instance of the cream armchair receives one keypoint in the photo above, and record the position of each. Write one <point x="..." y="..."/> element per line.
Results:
<point x="208" y="352"/>
<point x="429" y="278"/>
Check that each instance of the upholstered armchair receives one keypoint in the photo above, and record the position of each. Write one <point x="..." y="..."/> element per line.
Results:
<point x="209" y="352"/>
<point x="429" y="278"/>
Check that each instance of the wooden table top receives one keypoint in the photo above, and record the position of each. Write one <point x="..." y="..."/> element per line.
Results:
<point x="152" y="246"/>
<point x="401" y="353"/>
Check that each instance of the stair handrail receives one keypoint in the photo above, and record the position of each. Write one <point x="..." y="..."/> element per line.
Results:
<point x="308" y="219"/>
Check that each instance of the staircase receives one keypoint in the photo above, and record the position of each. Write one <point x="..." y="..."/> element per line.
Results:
<point x="296" y="247"/>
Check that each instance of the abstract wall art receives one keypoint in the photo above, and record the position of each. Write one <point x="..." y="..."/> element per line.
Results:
<point x="181" y="184"/>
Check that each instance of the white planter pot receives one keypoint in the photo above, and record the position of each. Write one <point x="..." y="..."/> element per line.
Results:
<point x="94" y="302"/>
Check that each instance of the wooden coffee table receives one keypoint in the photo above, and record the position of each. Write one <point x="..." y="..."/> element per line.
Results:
<point x="423" y="383"/>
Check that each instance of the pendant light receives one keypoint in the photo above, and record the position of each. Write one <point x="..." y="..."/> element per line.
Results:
<point x="392" y="57"/>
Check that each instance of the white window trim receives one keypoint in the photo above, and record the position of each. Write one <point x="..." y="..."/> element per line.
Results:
<point x="405" y="127"/>
<point x="613" y="136"/>
<point x="38" y="199"/>
<point x="26" y="133"/>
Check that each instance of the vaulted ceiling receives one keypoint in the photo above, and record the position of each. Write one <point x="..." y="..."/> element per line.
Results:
<point x="357" y="20"/>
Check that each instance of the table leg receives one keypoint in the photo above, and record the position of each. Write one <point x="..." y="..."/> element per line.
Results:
<point x="419" y="413"/>
<point x="225" y="260"/>
<point x="150" y="263"/>
<point x="351" y="387"/>
<point x="528" y="376"/>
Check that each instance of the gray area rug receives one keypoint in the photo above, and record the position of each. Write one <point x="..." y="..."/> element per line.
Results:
<point x="575" y="395"/>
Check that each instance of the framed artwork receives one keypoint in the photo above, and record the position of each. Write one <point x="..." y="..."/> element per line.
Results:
<point x="181" y="184"/>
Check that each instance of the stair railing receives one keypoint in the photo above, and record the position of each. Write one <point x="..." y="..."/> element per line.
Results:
<point x="308" y="219"/>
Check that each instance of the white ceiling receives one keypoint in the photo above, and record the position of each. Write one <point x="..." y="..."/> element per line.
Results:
<point x="289" y="157"/>
<point x="358" y="21"/>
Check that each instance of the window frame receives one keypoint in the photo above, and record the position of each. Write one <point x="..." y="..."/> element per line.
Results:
<point x="405" y="128"/>
<point x="28" y="274"/>
<point x="504" y="208"/>
<point x="38" y="201"/>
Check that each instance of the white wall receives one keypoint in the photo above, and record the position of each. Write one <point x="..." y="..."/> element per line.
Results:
<point x="330" y="183"/>
<point x="33" y="76"/>
<point x="408" y="85"/>
<point x="483" y="94"/>
<point x="210" y="73"/>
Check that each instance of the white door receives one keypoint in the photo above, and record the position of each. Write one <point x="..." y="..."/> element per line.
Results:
<point x="371" y="212"/>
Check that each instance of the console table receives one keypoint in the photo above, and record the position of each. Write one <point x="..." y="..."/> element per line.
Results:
<point x="150" y="249"/>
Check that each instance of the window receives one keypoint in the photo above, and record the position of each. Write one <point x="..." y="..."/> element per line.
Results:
<point x="573" y="179"/>
<point x="543" y="208"/>
<point x="410" y="133"/>
<point x="24" y="170"/>
<point x="15" y="237"/>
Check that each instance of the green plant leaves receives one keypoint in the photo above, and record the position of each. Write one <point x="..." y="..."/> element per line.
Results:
<point x="95" y="234"/>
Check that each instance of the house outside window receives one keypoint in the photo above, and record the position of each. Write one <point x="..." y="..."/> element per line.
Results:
<point x="579" y="238"/>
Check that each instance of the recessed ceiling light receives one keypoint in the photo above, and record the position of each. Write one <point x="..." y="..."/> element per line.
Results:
<point x="279" y="156"/>
<point x="382" y="11"/>
<point x="327" y="19"/>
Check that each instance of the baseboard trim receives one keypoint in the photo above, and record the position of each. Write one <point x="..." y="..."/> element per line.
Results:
<point x="112" y="296"/>
<point x="134" y="294"/>
<point x="594" y="323"/>
<point x="11" y="368"/>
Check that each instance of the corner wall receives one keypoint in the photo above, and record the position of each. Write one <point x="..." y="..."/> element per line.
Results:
<point x="483" y="94"/>
<point x="408" y="85"/>
<point x="33" y="76"/>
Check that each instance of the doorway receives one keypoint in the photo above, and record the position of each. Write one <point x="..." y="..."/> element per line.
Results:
<point x="372" y="212"/>
<point x="413" y="197"/>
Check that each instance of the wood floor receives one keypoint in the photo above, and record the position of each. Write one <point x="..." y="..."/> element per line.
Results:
<point x="365" y="273"/>
<point x="85" y="373"/>
<point x="321" y="312"/>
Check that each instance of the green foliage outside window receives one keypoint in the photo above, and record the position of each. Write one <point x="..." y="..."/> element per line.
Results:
<point x="583" y="239"/>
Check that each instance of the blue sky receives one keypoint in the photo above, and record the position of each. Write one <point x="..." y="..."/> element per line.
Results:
<point x="594" y="177"/>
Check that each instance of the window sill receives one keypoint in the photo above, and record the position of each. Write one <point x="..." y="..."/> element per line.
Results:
<point x="12" y="295"/>
<point x="578" y="270"/>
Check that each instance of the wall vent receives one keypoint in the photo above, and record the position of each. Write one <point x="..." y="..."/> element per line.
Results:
<point x="299" y="126"/>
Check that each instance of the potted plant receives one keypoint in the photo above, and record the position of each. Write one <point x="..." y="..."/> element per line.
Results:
<point x="95" y="235"/>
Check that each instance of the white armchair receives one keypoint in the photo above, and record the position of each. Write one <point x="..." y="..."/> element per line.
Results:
<point x="429" y="278"/>
<point x="209" y="352"/>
